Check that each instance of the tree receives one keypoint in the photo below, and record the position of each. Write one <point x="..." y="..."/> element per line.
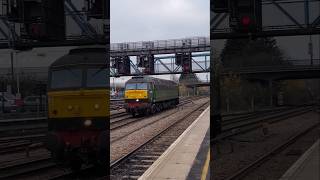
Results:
<point x="245" y="52"/>
<point x="237" y="92"/>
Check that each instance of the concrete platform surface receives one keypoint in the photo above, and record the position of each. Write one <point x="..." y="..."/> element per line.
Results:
<point x="187" y="157"/>
<point x="307" y="167"/>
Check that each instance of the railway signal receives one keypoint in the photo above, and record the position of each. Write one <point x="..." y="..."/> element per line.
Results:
<point x="185" y="61"/>
<point x="42" y="20"/>
<point x="245" y="15"/>
<point x="146" y="62"/>
<point x="122" y="64"/>
<point x="97" y="8"/>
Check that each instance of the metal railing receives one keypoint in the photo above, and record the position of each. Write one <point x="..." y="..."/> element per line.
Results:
<point x="162" y="44"/>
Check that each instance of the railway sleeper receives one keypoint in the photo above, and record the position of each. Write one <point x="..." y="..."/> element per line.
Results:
<point x="143" y="161"/>
<point x="153" y="152"/>
<point x="130" y="177"/>
<point x="148" y="157"/>
<point x="139" y="166"/>
<point x="133" y="159"/>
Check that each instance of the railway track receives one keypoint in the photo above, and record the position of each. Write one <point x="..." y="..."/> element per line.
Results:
<point x="32" y="130"/>
<point x="22" y="127"/>
<point x="13" y="115"/>
<point x="244" y="116"/>
<point x="26" y="142"/>
<point x="241" y="174"/>
<point x="26" y="133"/>
<point x="25" y="168"/>
<point x="132" y="165"/>
<point x="18" y="146"/>
<point x="124" y="119"/>
<point x="232" y="127"/>
<point x="145" y="155"/>
<point x="41" y="167"/>
<point x="116" y="104"/>
<point x="137" y="161"/>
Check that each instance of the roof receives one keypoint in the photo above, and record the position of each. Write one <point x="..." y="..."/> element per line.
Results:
<point x="138" y="79"/>
<point x="87" y="55"/>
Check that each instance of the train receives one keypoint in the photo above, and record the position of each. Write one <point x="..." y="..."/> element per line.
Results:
<point x="147" y="95"/>
<point x="78" y="108"/>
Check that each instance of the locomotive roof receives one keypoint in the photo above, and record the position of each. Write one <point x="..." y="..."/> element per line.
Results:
<point x="86" y="55"/>
<point x="150" y="79"/>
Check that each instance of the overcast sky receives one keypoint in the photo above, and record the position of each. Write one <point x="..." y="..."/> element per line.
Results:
<point x="144" y="20"/>
<point x="139" y="20"/>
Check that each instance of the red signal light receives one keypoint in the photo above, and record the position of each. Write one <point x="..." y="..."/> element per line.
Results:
<point x="245" y="20"/>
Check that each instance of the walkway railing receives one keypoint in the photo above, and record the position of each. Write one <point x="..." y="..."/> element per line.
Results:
<point x="162" y="44"/>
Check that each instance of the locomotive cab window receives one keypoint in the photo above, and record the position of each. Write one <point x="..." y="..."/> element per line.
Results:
<point x="97" y="77"/>
<point x="131" y="86"/>
<point x="138" y="86"/>
<point x="143" y="86"/>
<point x="66" y="78"/>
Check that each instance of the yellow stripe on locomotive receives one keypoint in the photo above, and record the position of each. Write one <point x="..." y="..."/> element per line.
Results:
<point x="136" y="94"/>
<point x="78" y="103"/>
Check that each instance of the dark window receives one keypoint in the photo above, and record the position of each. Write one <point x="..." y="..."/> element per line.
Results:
<point x="67" y="78"/>
<point x="97" y="77"/>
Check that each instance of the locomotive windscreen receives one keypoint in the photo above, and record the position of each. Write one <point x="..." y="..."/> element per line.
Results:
<point x="131" y="86"/>
<point x="97" y="77"/>
<point x="66" y="78"/>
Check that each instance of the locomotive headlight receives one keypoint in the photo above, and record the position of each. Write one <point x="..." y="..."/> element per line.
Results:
<point x="87" y="122"/>
<point x="96" y="106"/>
<point x="137" y="100"/>
<point x="70" y="107"/>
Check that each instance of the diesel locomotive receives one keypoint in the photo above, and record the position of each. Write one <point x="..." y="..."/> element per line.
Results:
<point x="148" y="95"/>
<point x="78" y="108"/>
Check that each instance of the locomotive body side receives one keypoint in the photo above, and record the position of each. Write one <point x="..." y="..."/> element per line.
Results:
<point x="145" y="95"/>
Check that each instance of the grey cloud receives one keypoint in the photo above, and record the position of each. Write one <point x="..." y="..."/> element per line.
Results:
<point x="137" y="20"/>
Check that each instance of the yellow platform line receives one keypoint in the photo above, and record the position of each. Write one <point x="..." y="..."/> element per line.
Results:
<point x="205" y="167"/>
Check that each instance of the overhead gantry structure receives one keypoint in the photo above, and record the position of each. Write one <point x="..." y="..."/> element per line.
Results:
<point x="175" y="56"/>
<point x="263" y="18"/>
<point x="26" y="24"/>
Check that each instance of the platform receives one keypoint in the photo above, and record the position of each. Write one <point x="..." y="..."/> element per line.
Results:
<point x="307" y="167"/>
<point x="188" y="157"/>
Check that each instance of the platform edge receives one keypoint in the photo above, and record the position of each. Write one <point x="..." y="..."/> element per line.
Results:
<point x="151" y="169"/>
